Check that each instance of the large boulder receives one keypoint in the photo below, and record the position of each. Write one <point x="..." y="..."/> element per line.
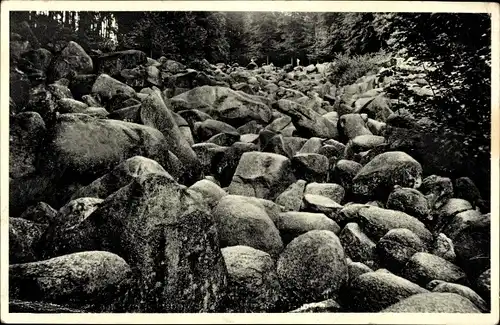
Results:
<point x="332" y="191"/>
<point x="312" y="267"/>
<point x="374" y="291"/>
<point x="81" y="148"/>
<point x="26" y="131"/>
<point x="410" y="201"/>
<point x="443" y="286"/>
<point x="423" y="267"/>
<point x="39" y="213"/>
<point x="292" y="224"/>
<point x="344" y="172"/>
<point x="224" y="104"/>
<point x="263" y="175"/>
<point x="253" y="285"/>
<point x="308" y="122"/>
<point x="397" y="246"/>
<point x="433" y="302"/>
<point x="165" y="233"/>
<point x="473" y="246"/>
<point x="24" y="240"/>
<point x="244" y="222"/>
<point x="209" y="190"/>
<point x="154" y="113"/>
<point x="377" y="178"/>
<point x="376" y="222"/>
<point x="311" y="167"/>
<point x="438" y="190"/>
<point x="119" y="177"/>
<point x="92" y="279"/>
<point x="107" y="87"/>
<point x="72" y="60"/>
<point x="357" y="245"/>
<point x="206" y="129"/>
<point x="352" y="125"/>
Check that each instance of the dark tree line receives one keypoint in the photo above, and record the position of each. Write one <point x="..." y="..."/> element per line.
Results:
<point x="277" y="37"/>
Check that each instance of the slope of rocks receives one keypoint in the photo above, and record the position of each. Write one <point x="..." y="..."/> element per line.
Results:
<point x="142" y="185"/>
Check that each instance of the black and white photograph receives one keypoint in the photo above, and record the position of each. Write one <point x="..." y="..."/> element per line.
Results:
<point x="249" y="160"/>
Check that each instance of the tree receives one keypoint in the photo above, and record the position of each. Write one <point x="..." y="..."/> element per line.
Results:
<point x="457" y="48"/>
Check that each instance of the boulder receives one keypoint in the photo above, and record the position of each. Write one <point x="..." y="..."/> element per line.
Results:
<point x="60" y="91"/>
<point x="377" y="178"/>
<point x="473" y="246"/>
<point x="24" y="240"/>
<point x="292" y="224"/>
<point x="376" y="222"/>
<point x="119" y="177"/>
<point x="374" y="291"/>
<point x="224" y="139"/>
<point x="224" y="104"/>
<point x="483" y="284"/>
<point x="243" y="222"/>
<point x="332" y="191"/>
<point x="26" y="132"/>
<point x="344" y="172"/>
<point x="39" y="213"/>
<point x="312" y="267"/>
<point x="156" y="114"/>
<point x="206" y="129"/>
<point x="322" y="204"/>
<point x="351" y="126"/>
<point x="447" y="211"/>
<point x="19" y="89"/>
<point x="433" y="302"/>
<point x="107" y="87"/>
<point x="262" y="175"/>
<point x="443" y="286"/>
<point x="38" y="59"/>
<point x="210" y="191"/>
<point x="42" y="102"/>
<point x="443" y="247"/>
<point x="355" y="269"/>
<point x="308" y="122"/>
<point x="70" y="105"/>
<point x="87" y="278"/>
<point x="292" y="197"/>
<point x="253" y="285"/>
<point x="160" y="228"/>
<point x="357" y="245"/>
<point x="410" y="201"/>
<point x="362" y="143"/>
<point x="72" y="60"/>
<point x="377" y="108"/>
<point x="397" y="246"/>
<point x="465" y="188"/>
<point x="310" y="167"/>
<point x="87" y="146"/>
<point x="423" y="267"/>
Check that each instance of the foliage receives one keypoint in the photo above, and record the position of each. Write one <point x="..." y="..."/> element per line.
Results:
<point x="455" y="48"/>
<point x="347" y="69"/>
